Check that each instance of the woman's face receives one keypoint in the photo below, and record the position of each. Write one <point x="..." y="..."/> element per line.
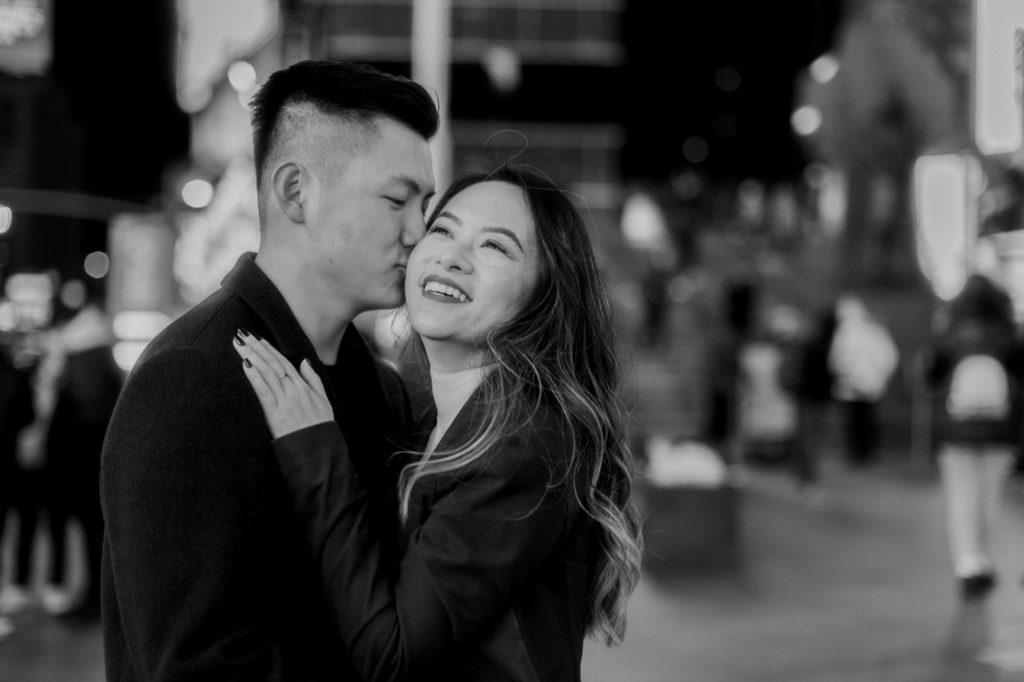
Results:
<point x="475" y="267"/>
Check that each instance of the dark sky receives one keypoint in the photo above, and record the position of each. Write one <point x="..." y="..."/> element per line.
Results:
<point x="120" y="86"/>
<point x="681" y="55"/>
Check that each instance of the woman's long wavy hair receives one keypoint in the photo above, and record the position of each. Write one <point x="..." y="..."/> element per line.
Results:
<point x="559" y="350"/>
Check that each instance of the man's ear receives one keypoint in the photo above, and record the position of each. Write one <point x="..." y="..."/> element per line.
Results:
<point x="288" y="187"/>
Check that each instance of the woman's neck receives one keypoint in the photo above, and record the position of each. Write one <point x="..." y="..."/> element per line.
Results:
<point x="451" y="384"/>
<point x="452" y="389"/>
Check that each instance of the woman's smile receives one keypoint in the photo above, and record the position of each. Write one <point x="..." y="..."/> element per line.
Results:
<point x="444" y="290"/>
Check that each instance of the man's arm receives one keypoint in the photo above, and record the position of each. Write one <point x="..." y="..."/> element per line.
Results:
<point x="186" y="497"/>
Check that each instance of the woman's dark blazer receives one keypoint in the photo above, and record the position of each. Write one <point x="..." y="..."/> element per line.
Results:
<point x="497" y="561"/>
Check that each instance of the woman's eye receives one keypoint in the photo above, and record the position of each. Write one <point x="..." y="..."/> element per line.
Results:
<point x="438" y="229"/>
<point x="491" y="244"/>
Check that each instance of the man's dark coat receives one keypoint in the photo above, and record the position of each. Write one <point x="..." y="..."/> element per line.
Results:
<point x="205" y="574"/>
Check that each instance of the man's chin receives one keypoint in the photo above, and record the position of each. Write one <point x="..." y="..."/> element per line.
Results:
<point x="390" y="302"/>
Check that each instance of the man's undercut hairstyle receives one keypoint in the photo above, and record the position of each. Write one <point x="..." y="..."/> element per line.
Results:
<point x="348" y="90"/>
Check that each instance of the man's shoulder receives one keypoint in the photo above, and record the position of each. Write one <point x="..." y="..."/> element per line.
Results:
<point x="195" y="349"/>
<point x="220" y="311"/>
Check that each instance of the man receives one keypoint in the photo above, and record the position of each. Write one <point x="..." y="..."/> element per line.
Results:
<point x="205" y="576"/>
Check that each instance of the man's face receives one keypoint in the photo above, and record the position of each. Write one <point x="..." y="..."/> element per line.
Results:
<point x="366" y="214"/>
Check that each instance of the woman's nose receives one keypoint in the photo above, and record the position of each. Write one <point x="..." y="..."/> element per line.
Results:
<point x="455" y="257"/>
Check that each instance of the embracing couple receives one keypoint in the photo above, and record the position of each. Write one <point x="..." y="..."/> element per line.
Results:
<point x="275" y="510"/>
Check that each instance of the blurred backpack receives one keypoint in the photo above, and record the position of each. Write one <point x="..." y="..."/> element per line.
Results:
<point x="979" y="388"/>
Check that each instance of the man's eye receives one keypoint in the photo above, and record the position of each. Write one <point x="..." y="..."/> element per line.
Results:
<point x="397" y="203"/>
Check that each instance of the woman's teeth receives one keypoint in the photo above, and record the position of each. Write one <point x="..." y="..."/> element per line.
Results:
<point x="445" y="290"/>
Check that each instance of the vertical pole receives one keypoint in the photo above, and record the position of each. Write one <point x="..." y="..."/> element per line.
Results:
<point x="431" y="64"/>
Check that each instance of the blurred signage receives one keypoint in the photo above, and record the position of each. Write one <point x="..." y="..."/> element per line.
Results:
<point x="31" y="298"/>
<point x="946" y="190"/>
<point x="25" y="36"/>
<point x="998" y="77"/>
<point x="141" y="256"/>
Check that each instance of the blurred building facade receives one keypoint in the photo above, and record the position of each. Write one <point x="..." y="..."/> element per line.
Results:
<point x="88" y="128"/>
<point x="531" y="82"/>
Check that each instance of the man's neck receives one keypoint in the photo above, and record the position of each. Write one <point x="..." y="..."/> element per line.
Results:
<point x="323" y="325"/>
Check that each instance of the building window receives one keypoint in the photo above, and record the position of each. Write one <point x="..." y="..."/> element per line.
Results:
<point x="541" y="31"/>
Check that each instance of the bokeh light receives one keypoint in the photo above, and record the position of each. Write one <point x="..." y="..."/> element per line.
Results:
<point x="97" y="264"/>
<point x="806" y="120"/>
<point x="696" y="149"/>
<point x="197" y="193"/>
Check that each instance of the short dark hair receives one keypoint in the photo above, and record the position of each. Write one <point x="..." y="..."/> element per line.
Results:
<point x="358" y="92"/>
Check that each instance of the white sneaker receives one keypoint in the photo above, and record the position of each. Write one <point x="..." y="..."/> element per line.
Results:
<point x="55" y="600"/>
<point x="6" y="627"/>
<point x="15" y="600"/>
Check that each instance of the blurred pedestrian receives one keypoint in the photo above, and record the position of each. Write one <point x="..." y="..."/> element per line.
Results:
<point x="16" y="413"/>
<point x="810" y="379"/>
<point x="726" y="376"/>
<point x="862" y="358"/>
<point x="205" y="575"/>
<point x="43" y="359"/>
<point x="976" y="372"/>
<point x="767" y="408"/>
<point x="656" y="285"/>
<point x="87" y="389"/>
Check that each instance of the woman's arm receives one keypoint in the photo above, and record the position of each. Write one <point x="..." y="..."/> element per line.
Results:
<point x="482" y="540"/>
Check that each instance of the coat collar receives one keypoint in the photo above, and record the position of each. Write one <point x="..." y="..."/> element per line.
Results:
<point x="252" y="285"/>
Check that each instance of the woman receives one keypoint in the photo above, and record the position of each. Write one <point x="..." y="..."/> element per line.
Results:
<point x="975" y="370"/>
<point x="519" y="535"/>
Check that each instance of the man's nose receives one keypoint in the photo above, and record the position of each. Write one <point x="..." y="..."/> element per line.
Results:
<point x="413" y="229"/>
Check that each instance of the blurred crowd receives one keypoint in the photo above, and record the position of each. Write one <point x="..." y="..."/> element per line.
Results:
<point x="796" y="370"/>
<point x="58" y="386"/>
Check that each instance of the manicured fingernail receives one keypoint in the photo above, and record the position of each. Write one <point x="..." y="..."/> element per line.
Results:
<point x="239" y="340"/>
<point x="248" y="362"/>
<point x="243" y="332"/>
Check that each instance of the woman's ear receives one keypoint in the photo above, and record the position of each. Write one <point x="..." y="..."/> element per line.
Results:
<point x="289" y="181"/>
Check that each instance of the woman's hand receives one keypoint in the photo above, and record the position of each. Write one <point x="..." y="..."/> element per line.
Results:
<point x="291" y="399"/>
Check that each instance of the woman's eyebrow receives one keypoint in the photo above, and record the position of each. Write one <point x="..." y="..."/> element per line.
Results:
<point x="450" y="216"/>
<point x="500" y="230"/>
<point x="508" y="233"/>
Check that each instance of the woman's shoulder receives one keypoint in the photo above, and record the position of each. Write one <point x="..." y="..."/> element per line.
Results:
<point x="539" y="443"/>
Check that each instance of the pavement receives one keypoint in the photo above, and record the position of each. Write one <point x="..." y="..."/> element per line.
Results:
<point x="855" y="589"/>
